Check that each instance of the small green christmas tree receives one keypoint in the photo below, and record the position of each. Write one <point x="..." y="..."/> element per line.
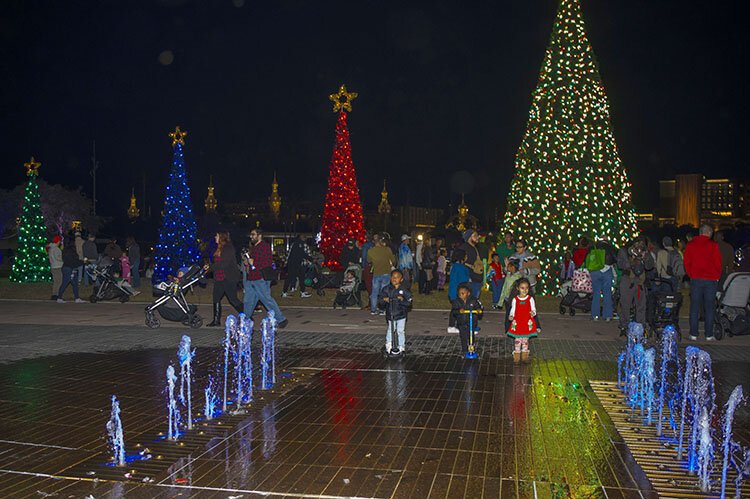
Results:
<point x="31" y="263"/>
<point x="569" y="179"/>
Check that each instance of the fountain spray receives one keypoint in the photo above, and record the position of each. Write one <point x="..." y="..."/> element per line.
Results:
<point x="186" y="356"/>
<point x="209" y="410"/>
<point x="174" y="414"/>
<point x="691" y="363"/>
<point x="114" y="430"/>
<point x="702" y="396"/>
<point x="705" y="451"/>
<point x="229" y="328"/>
<point x="647" y="377"/>
<point x="735" y="399"/>
<point x="268" y="360"/>
<point x="669" y="356"/>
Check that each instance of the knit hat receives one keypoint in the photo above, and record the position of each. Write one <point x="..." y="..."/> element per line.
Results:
<point x="57" y="239"/>
<point x="666" y="241"/>
<point x="468" y="234"/>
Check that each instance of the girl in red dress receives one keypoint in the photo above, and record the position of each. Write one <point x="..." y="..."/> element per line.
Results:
<point x="522" y="323"/>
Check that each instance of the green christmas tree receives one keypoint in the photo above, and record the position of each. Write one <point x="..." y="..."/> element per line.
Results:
<point x="31" y="263"/>
<point x="569" y="180"/>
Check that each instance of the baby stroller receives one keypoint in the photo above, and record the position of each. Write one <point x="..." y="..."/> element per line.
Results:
<point x="732" y="308"/>
<point x="313" y="278"/>
<point x="350" y="295"/>
<point x="171" y="302"/>
<point x="572" y="300"/>
<point x="663" y="307"/>
<point x="106" y="286"/>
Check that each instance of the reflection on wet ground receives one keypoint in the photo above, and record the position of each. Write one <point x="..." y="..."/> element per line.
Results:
<point x="341" y="422"/>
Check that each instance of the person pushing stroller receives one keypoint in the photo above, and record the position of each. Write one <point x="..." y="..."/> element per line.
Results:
<point x="396" y="301"/>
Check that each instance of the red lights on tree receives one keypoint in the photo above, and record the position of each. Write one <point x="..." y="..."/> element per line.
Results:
<point x="342" y="213"/>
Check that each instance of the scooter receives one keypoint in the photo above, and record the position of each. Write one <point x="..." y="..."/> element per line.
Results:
<point x="395" y="352"/>
<point x="472" y="353"/>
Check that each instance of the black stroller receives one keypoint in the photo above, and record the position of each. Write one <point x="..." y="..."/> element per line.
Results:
<point x="314" y="278"/>
<point x="733" y="306"/>
<point x="171" y="302"/>
<point x="350" y="295"/>
<point x="663" y="307"/>
<point x="106" y="286"/>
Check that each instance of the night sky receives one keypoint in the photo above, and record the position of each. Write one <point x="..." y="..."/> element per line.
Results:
<point x="443" y="86"/>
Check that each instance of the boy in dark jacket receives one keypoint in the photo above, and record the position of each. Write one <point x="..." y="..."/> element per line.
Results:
<point x="466" y="309"/>
<point x="397" y="301"/>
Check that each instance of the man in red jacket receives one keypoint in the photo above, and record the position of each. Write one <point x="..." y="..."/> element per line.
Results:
<point x="703" y="266"/>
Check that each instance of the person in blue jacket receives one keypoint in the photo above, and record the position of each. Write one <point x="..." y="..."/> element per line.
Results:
<point x="459" y="275"/>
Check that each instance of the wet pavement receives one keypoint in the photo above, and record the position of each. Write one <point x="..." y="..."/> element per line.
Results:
<point x="342" y="421"/>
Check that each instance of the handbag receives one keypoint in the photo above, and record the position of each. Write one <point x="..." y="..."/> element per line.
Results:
<point x="582" y="281"/>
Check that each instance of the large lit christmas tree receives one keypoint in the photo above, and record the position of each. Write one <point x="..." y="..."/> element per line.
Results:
<point x="569" y="180"/>
<point x="31" y="263"/>
<point x="342" y="213"/>
<point x="178" y="235"/>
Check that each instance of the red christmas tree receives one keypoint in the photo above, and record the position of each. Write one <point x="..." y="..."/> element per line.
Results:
<point x="342" y="214"/>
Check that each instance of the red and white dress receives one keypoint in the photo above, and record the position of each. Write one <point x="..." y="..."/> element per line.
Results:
<point x="523" y="324"/>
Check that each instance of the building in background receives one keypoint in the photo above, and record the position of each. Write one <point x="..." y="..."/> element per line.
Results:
<point x="693" y="199"/>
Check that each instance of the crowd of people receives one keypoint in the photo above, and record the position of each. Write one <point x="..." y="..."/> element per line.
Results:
<point x="72" y="257"/>
<point x="390" y="270"/>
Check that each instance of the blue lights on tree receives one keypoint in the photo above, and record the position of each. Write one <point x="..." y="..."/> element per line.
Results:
<point x="178" y="235"/>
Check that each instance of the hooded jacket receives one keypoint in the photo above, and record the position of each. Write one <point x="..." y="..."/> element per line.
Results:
<point x="703" y="259"/>
<point x="395" y="308"/>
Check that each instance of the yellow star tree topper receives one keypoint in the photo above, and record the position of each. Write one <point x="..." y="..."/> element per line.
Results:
<point x="32" y="167"/>
<point x="342" y="99"/>
<point x="178" y="136"/>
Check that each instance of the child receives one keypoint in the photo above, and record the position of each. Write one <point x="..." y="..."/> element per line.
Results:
<point x="459" y="275"/>
<point x="442" y="263"/>
<point x="461" y="317"/>
<point x="511" y="276"/>
<point x="345" y="291"/>
<point x="496" y="279"/>
<point x="567" y="267"/>
<point x="396" y="300"/>
<point x="523" y="325"/>
<point x="125" y="267"/>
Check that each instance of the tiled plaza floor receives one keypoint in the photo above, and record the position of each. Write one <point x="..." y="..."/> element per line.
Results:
<point x="342" y="421"/>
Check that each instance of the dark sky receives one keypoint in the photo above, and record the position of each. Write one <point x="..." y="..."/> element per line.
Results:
<point x="443" y="86"/>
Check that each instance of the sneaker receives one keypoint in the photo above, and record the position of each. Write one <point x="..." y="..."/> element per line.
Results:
<point x="710" y="338"/>
<point x="453" y="330"/>
<point x="401" y="349"/>
<point x="78" y="300"/>
<point x="388" y="347"/>
<point x="382" y="312"/>
<point x="608" y="319"/>
<point x="373" y="312"/>
<point x="693" y="338"/>
<point x="305" y="295"/>
<point x="285" y="295"/>
<point x="595" y="318"/>
<point x="60" y="300"/>
<point x="282" y="324"/>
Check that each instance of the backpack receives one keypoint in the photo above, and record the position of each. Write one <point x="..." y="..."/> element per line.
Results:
<point x="675" y="267"/>
<point x="595" y="260"/>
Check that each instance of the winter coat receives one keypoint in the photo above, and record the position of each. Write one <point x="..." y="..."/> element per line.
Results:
<point x="55" y="256"/>
<point x="462" y="319"/>
<point x="528" y="265"/>
<point x="428" y="258"/>
<point x="90" y="251"/>
<point x="703" y="259"/>
<point x="298" y="253"/>
<point x="225" y="267"/>
<point x="349" y="255"/>
<point x="70" y="257"/>
<point x="472" y="256"/>
<point x="134" y="253"/>
<point x="459" y="275"/>
<point x="405" y="257"/>
<point x="395" y="309"/>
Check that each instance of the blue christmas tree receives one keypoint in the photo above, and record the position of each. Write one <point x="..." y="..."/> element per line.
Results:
<point x="178" y="235"/>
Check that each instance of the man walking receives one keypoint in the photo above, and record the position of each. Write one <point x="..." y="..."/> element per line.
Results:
<point x="381" y="260"/>
<point x="258" y="272"/>
<point x="703" y="266"/>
